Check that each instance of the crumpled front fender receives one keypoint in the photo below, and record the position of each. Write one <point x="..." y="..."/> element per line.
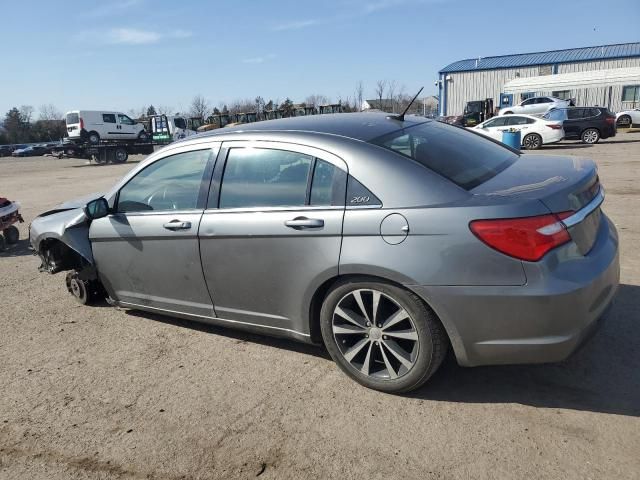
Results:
<point x="71" y="227"/>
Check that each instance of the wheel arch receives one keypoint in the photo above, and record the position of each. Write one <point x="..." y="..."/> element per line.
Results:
<point x="58" y="256"/>
<point x="323" y="289"/>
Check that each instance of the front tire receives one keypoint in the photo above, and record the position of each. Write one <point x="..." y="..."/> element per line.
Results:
<point x="624" y="121"/>
<point x="532" y="141"/>
<point x="590" y="136"/>
<point x="382" y="336"/>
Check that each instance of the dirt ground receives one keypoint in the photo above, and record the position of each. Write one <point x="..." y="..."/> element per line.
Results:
<point x="107" y="393"/>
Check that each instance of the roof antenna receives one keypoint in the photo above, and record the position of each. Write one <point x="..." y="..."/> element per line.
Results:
<point x="401" y="116"/>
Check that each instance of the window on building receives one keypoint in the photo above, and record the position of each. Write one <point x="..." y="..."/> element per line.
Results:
<point x="631" y="93"/>
<point x="562" y="94"/>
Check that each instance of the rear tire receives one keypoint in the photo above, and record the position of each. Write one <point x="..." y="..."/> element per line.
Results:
<point x="120" y="155"/>
<point x="94" y="138"/>
<point x="532" y="141"/>
<point x="418" y="336"/>
<point x="590" y="136"/>
<point x="11" y="235"/>
<point x="2" y="243"/>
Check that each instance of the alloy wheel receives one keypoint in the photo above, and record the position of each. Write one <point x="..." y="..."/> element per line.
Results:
<point x="375" y="334"/>
<point x="590" y="136"/>
<point x="531" y="142"/>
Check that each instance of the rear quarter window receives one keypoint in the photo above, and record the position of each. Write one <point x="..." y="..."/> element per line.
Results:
<point x="465" y="158"/>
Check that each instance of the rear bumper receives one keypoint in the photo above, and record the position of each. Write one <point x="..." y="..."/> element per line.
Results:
<point x="565" y="298"/>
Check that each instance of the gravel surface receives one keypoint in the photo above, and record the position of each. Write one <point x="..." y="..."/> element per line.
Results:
<point x="108" y="393"/>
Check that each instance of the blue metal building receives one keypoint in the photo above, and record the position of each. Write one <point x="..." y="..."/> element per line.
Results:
<point x="489" y="77"/>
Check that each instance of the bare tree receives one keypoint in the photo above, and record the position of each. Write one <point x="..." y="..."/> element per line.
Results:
<point x="48" y="111"/>
<point x="381" y="87"/>
<point x="316" y="100"/>
<point x="199" y="107"/>
<point x="26" y="112"/>
<point x="359" y="96"/>
<point x="391" y="94"/>
<point x="164" y="110"/>
<point x="242" y="106"/>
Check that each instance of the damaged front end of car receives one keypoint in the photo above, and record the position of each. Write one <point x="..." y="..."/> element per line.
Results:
<point x="60" y="237"/>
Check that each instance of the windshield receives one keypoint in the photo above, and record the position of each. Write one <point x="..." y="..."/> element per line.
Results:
<point x="465" y="158"/>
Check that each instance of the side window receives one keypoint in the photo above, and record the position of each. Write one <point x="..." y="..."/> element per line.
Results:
<point x="327" y="186"/>
<point x="500" y="121"/>
<point x="179" y="122"/>
<point x="258" y="177"/>
<point x="124" y="120"/>
<point x="575" y="113"/>
<point x="594" y="112"/>
<point x="172" y="183"/>
<point x="358" y="195"/>
<point x="529" y="101"/>
<point x="108" y="118"/>
<point x="515" y="120"/>
<point x="543" y="100"/>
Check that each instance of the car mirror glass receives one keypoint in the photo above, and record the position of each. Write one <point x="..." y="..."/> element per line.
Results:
<point x="97" y="208"/>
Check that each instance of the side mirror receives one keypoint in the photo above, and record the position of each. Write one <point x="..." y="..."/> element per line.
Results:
<point x="97" y="208"/>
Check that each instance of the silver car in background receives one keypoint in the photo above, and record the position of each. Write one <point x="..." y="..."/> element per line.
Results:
<point x="388" y="239"/>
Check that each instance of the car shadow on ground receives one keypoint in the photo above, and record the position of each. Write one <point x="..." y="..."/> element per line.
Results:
<point x="562" y="146"/>
<point x="239" y="335"/>
<point x="20" y="249"/>
<point x="601" y="377"/>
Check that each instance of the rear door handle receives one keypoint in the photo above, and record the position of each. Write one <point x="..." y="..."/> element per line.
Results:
<point x="299" y="223"/>
<point x="177" y="225"/>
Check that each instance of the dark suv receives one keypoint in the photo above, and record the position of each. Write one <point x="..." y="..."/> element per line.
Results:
<point x="588" y="124"/>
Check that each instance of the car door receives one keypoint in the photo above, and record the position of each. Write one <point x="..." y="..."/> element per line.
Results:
<point x="493" y="128"/>
<point x="109" y="127"/>
<point x="146" y="251"/>
<point x="526" y="106"/>
<point x="126" y="127"/>
<point x="272" y="231"/>
<point x="573" y="125"/>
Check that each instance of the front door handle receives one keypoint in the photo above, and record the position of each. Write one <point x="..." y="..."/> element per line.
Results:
<point x="177" y="225"/>
<point x="299" y="223"/>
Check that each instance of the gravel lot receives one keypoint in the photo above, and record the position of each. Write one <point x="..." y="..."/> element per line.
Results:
<point x="107" y="393"/>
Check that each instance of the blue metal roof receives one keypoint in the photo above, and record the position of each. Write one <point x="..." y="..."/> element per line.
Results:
<point x="602" y="52"/>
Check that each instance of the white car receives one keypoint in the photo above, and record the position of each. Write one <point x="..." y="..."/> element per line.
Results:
<point x="535" y="106"/>
<point x="535" y="131"/>
<point x="96" y="125"/>
<point x="627" y="118"/>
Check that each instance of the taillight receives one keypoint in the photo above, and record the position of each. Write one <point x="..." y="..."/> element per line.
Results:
<point x="81" y="123"/>
<point x="555" y="126"/>
<point x="610" y="120"/>
<point x="528" y="238"/>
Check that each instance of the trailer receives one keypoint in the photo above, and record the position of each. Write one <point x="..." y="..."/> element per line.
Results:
<point x="106" y="151"/>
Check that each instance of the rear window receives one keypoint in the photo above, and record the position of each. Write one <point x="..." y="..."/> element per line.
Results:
<point x="72" y="118"/>
<point x="465" y="158"/>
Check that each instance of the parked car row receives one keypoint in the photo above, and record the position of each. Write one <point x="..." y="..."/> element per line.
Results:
<point x="562" y="122"/>
<point x="27" y="150"/>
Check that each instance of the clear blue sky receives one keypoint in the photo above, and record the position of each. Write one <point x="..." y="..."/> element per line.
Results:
<point x="123" y="54"/>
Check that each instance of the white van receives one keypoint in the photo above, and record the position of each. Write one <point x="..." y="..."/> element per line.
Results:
<point x="95" y="125"/>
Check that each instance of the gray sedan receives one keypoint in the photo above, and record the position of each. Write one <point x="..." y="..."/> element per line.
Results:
<point x="387" y="239"/>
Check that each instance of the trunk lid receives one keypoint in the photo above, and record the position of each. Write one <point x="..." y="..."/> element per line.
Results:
<point x="561" y="184"/>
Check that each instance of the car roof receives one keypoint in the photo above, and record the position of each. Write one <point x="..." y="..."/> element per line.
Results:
<point x="358" y="126"/>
